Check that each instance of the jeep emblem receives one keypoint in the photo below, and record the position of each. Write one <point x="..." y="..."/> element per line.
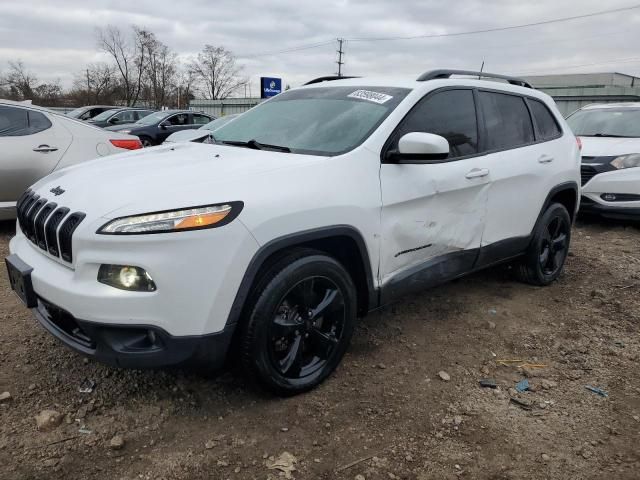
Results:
<point x="57" y="191"/>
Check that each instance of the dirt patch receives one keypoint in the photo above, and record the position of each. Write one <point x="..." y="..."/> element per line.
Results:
<point x="386" y="413"/>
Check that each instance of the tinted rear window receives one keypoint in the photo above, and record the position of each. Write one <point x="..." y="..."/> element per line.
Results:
<point x="547" y="126"/>
<point x="507" y="120"/>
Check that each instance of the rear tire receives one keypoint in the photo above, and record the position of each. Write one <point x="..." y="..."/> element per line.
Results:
<point x="146" y="141"/>
<point x="545" y="257"/>
<point x="299" y="322"/>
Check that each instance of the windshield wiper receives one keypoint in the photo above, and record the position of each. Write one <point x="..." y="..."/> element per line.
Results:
<point x="611" y="135"/>
<point x="256" y="145"/>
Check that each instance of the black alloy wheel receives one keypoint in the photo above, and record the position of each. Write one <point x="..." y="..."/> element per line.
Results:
<point x="554" y="246"/>
<point x="298" y="321"/>
<point x="307" y="327"/>
<point x="545" y="257"/>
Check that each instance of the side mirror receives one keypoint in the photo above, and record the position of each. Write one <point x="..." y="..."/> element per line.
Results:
<point x="419" y="147"/>
<point x="114" y="120"/>
<point x="163" y="125"/>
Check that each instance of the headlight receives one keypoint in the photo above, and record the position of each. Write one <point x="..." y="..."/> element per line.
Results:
<point x="627" y="161"/>
<point x="194" y="218"/>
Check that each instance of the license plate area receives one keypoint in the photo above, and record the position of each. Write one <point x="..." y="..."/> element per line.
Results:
<point x="20" y="280"/>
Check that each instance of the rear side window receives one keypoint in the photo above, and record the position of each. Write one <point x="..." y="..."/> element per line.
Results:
<point x="507" y="121"/>
<point x="450" y="114"/>
<point x="16" y="122"/>
<point x="200" y="119"/>
<point x="545" y="122"/>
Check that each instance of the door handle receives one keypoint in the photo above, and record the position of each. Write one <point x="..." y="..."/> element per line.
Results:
<point x="545" y="159"/>
<point x="45" y="149"/>
<point x="477" y="173"/>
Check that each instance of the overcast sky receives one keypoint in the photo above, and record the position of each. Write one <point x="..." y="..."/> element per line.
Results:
<point x="56" y="39"/>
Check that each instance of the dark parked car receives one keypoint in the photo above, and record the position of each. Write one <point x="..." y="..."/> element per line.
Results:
<point x="90" y="111"/>
<point x="155" y="128"/>
<point x="119" y="116"/>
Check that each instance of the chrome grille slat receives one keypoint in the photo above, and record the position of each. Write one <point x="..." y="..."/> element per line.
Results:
<point x="66" y="232"/>
<point x="30" y="219"/>
<point x="51" y="230"/>
<point x="39" y="224"/>
<point x="48" y="226"/>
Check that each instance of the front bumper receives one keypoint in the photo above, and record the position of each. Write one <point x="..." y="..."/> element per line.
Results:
<point x="604" y="181"/>
<point x="132" y="346"/>
<point x="591" y="207"/>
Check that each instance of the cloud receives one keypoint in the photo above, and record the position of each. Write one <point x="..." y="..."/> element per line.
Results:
<point x="57" y="39"/>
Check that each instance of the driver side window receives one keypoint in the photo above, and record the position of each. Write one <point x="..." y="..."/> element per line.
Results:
<point x="450" y="114"/>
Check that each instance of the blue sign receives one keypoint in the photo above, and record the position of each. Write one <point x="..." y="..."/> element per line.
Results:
<point x="270" y="87"/>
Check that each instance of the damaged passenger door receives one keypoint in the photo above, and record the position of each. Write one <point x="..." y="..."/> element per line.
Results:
<point x="433" y="210"/>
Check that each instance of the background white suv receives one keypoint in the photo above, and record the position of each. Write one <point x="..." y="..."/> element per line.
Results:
<point x="313" y="208"/>
<point x="610" y="135"/>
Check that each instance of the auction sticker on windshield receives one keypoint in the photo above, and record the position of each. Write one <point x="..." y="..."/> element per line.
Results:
<point x="370" y="96"/>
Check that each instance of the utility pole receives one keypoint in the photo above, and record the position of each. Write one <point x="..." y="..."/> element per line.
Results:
<point x="340" y="54"/>
<point x="88" y="89"/>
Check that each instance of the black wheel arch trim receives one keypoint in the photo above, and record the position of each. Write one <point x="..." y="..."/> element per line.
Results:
<point x="292" y="240"/>
<point x="561" y="187"/>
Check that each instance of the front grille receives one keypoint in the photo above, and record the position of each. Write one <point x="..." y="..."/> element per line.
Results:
<point x="42" y="223"/>
<point x="587" y="172"/>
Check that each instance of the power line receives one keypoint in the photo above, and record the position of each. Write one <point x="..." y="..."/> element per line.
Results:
<point x="619" y="60"/>
<point x="288" y="50"/>
<point x="497" y="29"/>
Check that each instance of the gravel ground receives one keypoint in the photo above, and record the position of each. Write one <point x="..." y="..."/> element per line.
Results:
<point x="386" y="413"/>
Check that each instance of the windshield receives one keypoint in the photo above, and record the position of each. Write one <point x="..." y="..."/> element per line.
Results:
<point x="77" y="112"/>
<point x="104" y="115"/>
<point x="153" y="118"/>
<point x="315" y="121"/>
<point x="606" y="122"/>
<point x="217" y="123"/>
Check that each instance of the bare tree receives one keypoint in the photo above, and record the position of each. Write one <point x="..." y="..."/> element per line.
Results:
<point x="185" y="86"/>
<point x="96" y="83"/>
<point x="129" y="58"/>
<point x="20" y="82"/>
<point x="160" y="70"/>
<point x="217" y="72"/>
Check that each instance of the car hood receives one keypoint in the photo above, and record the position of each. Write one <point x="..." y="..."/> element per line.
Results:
<point x="167" y="177"/>
<point x="187" y="135"/>
<point x="608" y="147"/>
<point x="124" y="126"/>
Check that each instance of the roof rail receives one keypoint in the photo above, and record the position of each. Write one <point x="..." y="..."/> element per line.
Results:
<point x="327" y="78"/>
<point x="435" y="74"/>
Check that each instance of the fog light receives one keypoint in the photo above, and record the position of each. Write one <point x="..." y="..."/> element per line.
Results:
<point x="609" y="197"/>
<point x="126" y="277"/>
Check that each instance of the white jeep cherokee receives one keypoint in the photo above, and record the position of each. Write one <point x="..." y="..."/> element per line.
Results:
<point x="310" y="210"/>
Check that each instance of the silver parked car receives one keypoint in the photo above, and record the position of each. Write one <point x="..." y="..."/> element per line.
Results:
<point x="35" y="141"/>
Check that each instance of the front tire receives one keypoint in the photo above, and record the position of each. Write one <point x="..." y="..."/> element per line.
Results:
<point x="300" y="321"/>
<point x="544" y="260"/>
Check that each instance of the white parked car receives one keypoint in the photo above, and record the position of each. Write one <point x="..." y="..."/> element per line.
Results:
<point x="200" y="134"/>
<point x="313" y="208"/>
<point x="610" y="135"/>
<point x="35" y="141"/>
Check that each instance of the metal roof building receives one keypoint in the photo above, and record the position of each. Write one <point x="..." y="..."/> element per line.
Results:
<point x="573" y="91"/>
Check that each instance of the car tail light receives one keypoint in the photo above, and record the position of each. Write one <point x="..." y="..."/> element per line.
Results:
<point x="127" y="144"/>
<point x="579" y="142"/>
